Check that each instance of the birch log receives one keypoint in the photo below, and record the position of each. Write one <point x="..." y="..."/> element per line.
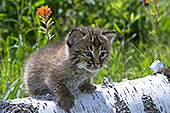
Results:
<point x="150" y="94"/>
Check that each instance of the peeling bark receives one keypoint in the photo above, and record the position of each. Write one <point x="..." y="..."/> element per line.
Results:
<point x="150" y="94"/>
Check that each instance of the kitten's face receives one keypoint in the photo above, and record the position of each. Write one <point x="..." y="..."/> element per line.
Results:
<point x="89" y="47"/>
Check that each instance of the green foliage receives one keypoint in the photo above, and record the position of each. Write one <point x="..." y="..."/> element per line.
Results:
<point x="143" y="35"/>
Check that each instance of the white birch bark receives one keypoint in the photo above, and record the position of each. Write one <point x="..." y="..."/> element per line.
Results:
<point x="150" y="94"/>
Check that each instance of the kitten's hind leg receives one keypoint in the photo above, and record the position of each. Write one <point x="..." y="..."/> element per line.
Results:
<point x="87" y="87"/>
<point x="39" y="90"/>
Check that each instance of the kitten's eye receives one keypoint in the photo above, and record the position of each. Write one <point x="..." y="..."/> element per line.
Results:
<point x="88" y="54"/>
<point x="102" y="54"/>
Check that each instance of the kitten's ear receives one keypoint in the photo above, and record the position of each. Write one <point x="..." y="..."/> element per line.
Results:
<point x="73" y="36"/>
<point x="109" y="34"/>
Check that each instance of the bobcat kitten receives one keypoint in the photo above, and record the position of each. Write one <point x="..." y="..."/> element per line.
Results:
<point x="59" y="68"/>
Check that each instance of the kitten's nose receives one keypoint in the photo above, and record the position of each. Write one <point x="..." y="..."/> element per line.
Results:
<point x="96" y="65"/>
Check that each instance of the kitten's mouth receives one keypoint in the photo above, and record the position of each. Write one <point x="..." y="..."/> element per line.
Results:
<point x="94" y="68"/>
<point x="90" y="69"/>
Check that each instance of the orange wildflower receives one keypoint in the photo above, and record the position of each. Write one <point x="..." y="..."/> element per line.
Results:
<point x="44" y="12"/>
<point x="146" y="2"/>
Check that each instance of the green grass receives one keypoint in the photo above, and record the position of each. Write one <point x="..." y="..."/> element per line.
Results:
<point x="137" y="44"/>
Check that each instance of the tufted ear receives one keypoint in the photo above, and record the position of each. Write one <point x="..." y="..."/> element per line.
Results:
<point x="73" y="36"/>
<point x="109" y="34"/>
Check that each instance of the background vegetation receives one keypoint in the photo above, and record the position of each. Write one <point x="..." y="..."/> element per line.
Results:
<point x="143" y="35"/>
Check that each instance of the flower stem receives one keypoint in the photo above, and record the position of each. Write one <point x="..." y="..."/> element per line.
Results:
<point x="47" y="30"/>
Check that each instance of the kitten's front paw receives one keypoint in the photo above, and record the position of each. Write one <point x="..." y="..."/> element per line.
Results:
<point x="87" y="88"/>
<point x="66" y="102"/>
